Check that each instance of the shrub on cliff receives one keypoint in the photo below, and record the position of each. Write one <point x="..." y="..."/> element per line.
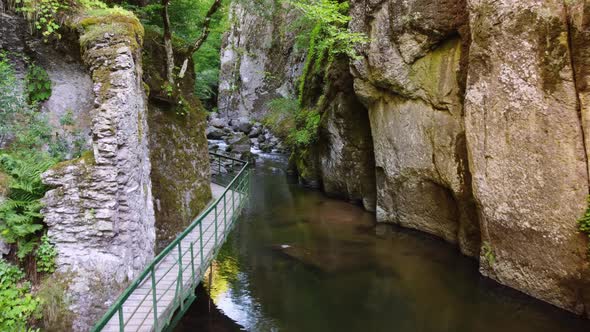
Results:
<point x="17" y="305"/>
<point x="584" y="224"/>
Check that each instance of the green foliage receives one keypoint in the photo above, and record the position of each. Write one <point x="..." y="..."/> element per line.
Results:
<point x="67" y="119"/>
<point x="488" y="253"/>
<point x="19" y="122"/>
<point x="9" y="274"/>
<point x="44" y="15"/>
<point x="298" y="127"/>
<point x="584" y="224"/>
<point x="92" y="4"/>
<point x="20" y="217"/>
<point x="17" y="304"/>
<point x="45" y="256"/>
<point x="329" y="20"/>
<point x="327" y="33"/>
<point x="306" y="128"/>
<point x="281" y="116"/>
<point x="38" y="84"/>
<point x="187" y="18"/>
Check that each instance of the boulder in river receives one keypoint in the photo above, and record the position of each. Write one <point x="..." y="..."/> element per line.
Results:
<point x="242" y="124"/>
<point x="214" y="133"/>
<point x="239" y="143"/>
<point x="219" y="122"/>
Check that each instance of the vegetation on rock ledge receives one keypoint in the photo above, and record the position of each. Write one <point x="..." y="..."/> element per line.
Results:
<point x="584" y="224"/>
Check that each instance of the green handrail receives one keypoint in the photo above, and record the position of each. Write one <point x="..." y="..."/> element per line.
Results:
<point x="238" y="183"/>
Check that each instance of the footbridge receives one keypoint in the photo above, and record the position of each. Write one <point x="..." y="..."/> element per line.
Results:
<point x="162" y="293"/>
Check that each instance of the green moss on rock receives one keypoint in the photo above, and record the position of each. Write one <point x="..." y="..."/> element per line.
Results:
<point x="178" y="147"/>
<point x="87" y="158"/>
<point x="94" y="24"/>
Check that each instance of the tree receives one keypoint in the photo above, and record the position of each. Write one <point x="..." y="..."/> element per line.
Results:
<point x="168" y="43"/>
<point x="195" y="46"/>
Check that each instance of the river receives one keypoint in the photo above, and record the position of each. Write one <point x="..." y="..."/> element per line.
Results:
<point x="299" y="261"/>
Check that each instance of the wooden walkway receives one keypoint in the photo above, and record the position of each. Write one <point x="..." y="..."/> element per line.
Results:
<point x="174" y="278"/>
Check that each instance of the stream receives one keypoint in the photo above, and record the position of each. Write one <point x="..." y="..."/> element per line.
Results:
<point x="299" y="261"/>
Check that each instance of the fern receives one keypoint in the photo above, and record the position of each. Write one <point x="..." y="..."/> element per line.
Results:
<point x="20" y="216"/>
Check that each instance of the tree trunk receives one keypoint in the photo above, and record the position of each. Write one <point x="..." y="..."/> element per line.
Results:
<point x="168" y="43"/>
<point x="204" y="34"/>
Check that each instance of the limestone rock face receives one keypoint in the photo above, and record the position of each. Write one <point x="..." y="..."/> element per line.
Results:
<point x="479" y="118"/>
<point x="259" y="61"/>
<point x="346" y="164"/>
<point x="71" y="87"/>
<point x="100" y="214"/>
<point x="411" y="78"/>
<point x="526" y="147"/>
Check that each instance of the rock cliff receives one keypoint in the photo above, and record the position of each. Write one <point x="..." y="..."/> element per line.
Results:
<point x="100" y="214"/>
<point x="527" y="149"/>
<point x="475" y="119"/>
<point x="259" y="58"/>
<point x="412" y="80"/>
<point x="178" y="147"/>
<point x="477" y="112"/>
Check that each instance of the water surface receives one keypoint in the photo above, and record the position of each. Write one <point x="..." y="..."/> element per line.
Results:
<point x="299" y="261"/>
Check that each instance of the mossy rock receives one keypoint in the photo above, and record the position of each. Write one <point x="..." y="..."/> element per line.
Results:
<point x="95" y="23"/>
<point x="54" y="302"/>
<point x="87" y="158"/>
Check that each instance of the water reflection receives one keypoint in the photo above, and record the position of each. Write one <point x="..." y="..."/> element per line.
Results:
<point x="298" y="261"/>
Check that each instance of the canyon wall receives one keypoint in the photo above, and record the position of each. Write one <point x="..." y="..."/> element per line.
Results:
<point x="477" y="112"/>
<point x="342" y="162"/>
<point x="412" y="79"/>
<point x="259" y="58"/>
<point x="475" y="120"/>
<point x="527" y="149"/>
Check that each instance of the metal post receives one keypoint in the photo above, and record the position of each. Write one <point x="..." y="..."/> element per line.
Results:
<point x="192" y="264"/>
<point x="233" y="205"/>
<point x="179" y="280"/>
<point x="224" y="211"/>
<point x="216" y="232"/>
<point x="154" y="300"/>
<point x="210" y="283"/>
<point x="201" y="245"/>
<point x="121" y="322"/>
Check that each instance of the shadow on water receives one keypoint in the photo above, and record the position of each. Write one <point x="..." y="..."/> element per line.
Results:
<point x="299" y="261"/>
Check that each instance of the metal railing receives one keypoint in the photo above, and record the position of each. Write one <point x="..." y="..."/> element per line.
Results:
<point x="161" y="294"/>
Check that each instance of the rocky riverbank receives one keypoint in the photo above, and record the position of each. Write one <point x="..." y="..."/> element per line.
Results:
<point x="242" y="138"/>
